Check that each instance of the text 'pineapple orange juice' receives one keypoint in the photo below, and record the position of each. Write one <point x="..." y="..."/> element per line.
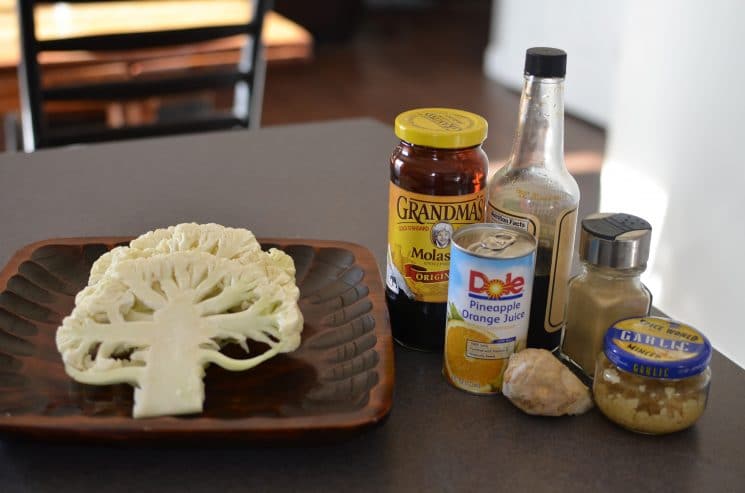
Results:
<point x="490" y="286"/>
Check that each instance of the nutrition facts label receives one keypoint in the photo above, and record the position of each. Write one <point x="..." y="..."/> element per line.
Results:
<point x="499" y="349"/>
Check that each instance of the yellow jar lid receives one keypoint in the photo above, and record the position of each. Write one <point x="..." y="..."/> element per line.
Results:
<point x="441" y="128"/>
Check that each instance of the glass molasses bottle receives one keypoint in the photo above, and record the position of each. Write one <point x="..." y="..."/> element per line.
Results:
<point x="438" y="185"/>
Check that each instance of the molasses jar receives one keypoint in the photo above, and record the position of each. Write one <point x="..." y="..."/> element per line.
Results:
<point x="438" y="180"/>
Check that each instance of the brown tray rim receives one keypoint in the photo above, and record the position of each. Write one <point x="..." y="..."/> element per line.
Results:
<point x="253" y="429"/>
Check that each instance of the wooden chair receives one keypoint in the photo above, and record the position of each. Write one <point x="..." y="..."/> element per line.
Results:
<point x="246" y="78"/>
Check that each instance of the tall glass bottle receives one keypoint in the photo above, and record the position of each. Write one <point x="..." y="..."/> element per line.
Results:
<point x="534" y="191"/>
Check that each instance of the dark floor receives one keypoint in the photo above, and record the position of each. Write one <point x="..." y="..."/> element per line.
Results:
<point x="405" y="58"/>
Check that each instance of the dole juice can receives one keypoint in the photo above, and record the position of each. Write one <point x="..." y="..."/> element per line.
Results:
<point x="491" y="282"/>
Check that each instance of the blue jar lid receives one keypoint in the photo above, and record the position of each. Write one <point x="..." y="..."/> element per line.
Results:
<point x="657" y="348"/>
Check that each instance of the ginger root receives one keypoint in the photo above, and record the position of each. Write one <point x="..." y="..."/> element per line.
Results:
<point x="538" y="383"/>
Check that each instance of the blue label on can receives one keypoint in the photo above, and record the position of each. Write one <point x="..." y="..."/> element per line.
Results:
<point x="491" y="293"/>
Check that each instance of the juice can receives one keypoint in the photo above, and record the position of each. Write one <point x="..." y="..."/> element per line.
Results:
<point x="489" y="294"/>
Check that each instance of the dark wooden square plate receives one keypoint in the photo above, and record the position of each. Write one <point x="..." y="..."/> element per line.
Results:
<point x="339" y="382"/>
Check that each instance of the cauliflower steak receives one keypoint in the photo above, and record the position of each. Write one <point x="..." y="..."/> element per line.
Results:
<point x="156" y="320"/>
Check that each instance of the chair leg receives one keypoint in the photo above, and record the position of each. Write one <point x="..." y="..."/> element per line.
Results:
<point x="257" y="91"/>
<point x="247" y="100"/>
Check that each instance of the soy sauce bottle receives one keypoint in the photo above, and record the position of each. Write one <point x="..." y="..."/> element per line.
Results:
<point x="437" y="185"/>
<point x="534" y="191"/>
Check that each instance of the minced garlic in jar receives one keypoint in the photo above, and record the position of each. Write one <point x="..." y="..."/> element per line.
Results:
<point x="653" y="375"/>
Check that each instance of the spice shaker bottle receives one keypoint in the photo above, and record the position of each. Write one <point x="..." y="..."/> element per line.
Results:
<point x="613" y="249"/>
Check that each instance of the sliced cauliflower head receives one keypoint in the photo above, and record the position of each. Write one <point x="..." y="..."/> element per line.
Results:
<point x="156" y="322"/>
<point x="229" y="243"/>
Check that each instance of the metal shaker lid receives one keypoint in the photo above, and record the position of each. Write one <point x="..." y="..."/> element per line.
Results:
<point x="620" y="241"/>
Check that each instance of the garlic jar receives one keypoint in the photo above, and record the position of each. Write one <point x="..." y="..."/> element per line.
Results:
<point x="653" y="375"/>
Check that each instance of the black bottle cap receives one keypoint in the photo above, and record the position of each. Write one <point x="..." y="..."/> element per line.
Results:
<point x="545" y="62"/>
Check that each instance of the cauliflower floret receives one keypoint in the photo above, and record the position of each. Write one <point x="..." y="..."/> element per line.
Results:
<point x="100" y="266"/>
<point x="221" y="241"/>
<point x="229" y="243"/>
<point x="156" y="320"/>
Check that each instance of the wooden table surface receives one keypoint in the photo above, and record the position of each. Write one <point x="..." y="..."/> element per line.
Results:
<point x="284" y="40"/>
<point x="328" y="181"/>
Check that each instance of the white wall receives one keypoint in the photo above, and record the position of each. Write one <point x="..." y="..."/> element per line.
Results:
<point x="667" y="78"/>
<point x="675" y="156"/>
<point x="589" y="31"/>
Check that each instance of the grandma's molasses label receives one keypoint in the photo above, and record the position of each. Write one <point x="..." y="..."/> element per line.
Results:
<point x="419" y="231"/>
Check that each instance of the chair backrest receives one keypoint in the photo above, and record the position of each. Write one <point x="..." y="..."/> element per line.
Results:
<point x="246" y="77"/>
